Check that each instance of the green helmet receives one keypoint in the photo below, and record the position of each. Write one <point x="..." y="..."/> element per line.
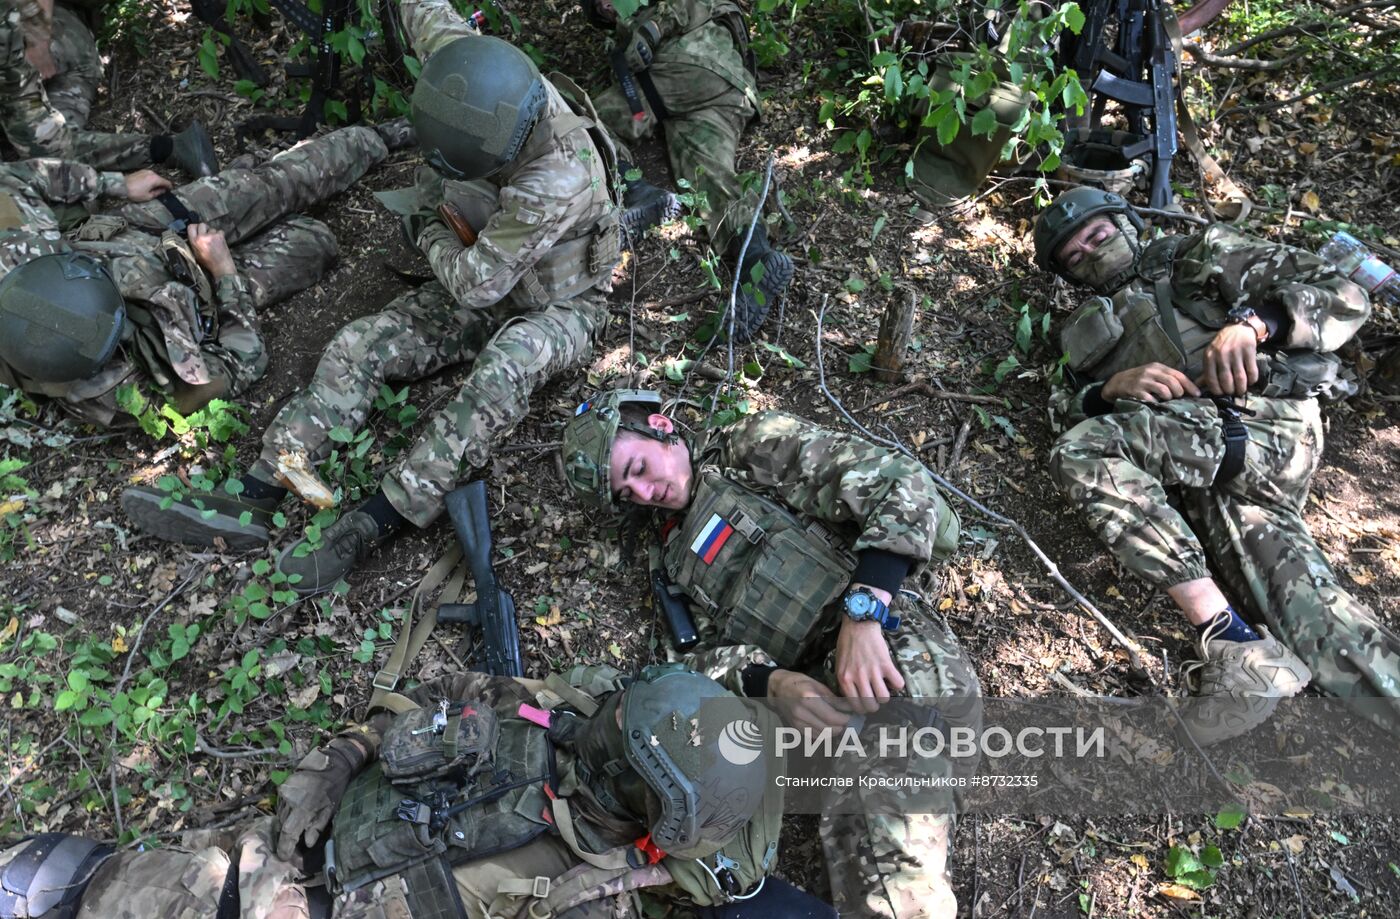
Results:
<point x="1068" y="212"/>
<point x="61" y="317"/>
<point x="588" y="442"/>
<point x="685" y="750"/>
<point x="474" y="106"/>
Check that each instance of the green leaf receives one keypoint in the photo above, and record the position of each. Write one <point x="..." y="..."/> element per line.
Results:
<point x="66" y="700"/>
<point x="1182" y="861"/>
<point x="894" y="83"/>
<point x="1211" y="857"/>
<point x="1074" y="17"/>
<point x="948" y="130"/>
<point x="1230" y="817"/>
<point x="1006" y="367"/>
<point x="984" y="123"/>
<point x="1340" y="837"/>
<point x="859" y="362"/>
<point x="209" y="55"/>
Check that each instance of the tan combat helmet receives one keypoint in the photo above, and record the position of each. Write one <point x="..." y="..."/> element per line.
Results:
<point x="588" y="442"/>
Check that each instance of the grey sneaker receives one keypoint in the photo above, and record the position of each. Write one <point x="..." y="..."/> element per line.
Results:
<point x="344" y="544"/>
<point x="1236" y="685"/>
<point x="201" y="518"/>
<point x="194" y="151"/>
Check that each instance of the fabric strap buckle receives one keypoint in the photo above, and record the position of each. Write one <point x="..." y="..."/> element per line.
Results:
<point x="181" y="216"/>
<point x="1236" y="441"/>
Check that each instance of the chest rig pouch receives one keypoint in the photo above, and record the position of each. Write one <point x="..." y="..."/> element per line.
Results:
<point x="762" y="573"/>
<point x="441" y="794"/>
<point x="1105" y="336"/>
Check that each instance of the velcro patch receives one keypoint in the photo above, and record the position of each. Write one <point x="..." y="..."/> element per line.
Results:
<point x="527" y="216"/>
<point x="712" y="538"/>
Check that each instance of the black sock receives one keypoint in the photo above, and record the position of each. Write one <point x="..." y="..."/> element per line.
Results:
<point x="389" y="520"/>
<point x="162" y="145"/>
<point x="257" y="489"/>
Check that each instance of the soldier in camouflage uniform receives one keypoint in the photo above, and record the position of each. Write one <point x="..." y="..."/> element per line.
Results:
<point x="687" y="67"/>
<point x="194" y="335"/>
<point x="780" y="526"/>
<point x="1193" y="431"/>
<point x="521" y="303"/>
<point x="568" y="821"/>
<point x="49" y="72"/>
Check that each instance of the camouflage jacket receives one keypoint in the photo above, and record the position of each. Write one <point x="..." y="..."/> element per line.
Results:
<point x="171" y="336"/>
<point x="698" y="38"/>
<point x="870" y="497"/>
<point x="1313" y="308"/>
<point x="557" y="192"/>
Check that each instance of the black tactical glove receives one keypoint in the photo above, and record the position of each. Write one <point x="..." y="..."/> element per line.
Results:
<point x="307" y="801"/>
<point x="640" y="45"/>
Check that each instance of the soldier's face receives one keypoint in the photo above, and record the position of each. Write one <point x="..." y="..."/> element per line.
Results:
<point x="649" y="472"/>
<point x="605" y="9"/>
<point x="1085" y="241"/>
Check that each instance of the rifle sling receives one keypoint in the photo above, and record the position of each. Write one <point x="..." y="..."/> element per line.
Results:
<point x="658" y="107"/>
<point x="412" y="637"/>
<point x="1213" y="172"/>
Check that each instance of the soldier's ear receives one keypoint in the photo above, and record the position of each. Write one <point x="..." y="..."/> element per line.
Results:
<point x="659" y="422"/>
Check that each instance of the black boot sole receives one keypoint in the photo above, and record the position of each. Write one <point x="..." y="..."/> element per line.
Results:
<point x="187" y="525"/>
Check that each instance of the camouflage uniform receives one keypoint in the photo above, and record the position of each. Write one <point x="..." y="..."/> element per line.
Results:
<point x="188" y="881"/>
<point x="869" y="497"/>
<point x="704" y="82"/>
<point x="1142" y="473"/>
<point x="183" y="343"/>
<point x="496" y="304"/>
<point x="47" y="119"/>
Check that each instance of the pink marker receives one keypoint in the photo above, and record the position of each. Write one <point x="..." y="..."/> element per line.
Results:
<point x="537" y="715"/>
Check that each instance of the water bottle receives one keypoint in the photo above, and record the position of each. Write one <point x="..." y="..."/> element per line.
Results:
<point x="1358" y="263"/>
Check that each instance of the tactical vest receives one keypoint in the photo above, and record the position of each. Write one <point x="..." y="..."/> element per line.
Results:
<point x="438" y="798"/>
<point x="764" y="573"/>
<point x="584" y="257"/>
<point x="1139" y="326"/>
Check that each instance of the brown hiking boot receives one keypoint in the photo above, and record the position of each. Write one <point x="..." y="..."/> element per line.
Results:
<point x="1236" y="685"/>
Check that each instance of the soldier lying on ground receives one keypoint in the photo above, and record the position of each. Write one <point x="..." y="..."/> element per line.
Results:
<point x="49" y="73"/>
<point x="523" y="303"/>
<point x="690" y="71"/>
<point x="1193" y="433"/>
<point x="83" y="312"/>
<point x="527" y="797"/>
<point x="792" y="541"/>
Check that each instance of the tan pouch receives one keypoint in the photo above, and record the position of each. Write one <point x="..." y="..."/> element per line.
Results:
<point x="101" y="227"/>
<point x="1091" y="333"/>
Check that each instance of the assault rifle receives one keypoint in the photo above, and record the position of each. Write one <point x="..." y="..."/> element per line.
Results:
<point x="323" y="65"/>
<point x="1138" y="71"/>
<point x="494" y="609"/>
<point x="670" y="604"/>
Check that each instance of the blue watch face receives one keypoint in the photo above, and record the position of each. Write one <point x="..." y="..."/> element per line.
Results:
<point x="860" y="604"/>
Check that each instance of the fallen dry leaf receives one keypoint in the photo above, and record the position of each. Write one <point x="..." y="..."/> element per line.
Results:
<point x="1177" y="892"/>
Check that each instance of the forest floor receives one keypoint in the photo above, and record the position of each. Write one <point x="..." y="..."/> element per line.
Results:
<point x="211" y="717"/>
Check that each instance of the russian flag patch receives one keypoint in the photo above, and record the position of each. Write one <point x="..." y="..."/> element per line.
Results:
<point x="712" y="538"/>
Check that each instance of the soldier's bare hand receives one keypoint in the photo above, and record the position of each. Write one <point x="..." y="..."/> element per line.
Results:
<point x="804" y="702"/>
<point x="40" y="57"/>
<point x="211" y="250"/>
<point x="865" y="672"/>
<point x="1230" y="362"/>
<point x="1152" y="382"/>
<point x="145" y="185"/>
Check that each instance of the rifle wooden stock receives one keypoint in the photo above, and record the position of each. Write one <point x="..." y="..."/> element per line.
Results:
<point x="452" y="215"/>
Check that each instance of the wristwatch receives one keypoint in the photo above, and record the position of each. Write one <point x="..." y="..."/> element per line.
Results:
<point x="1244" y="315"/>
<point x="860" y="605"/>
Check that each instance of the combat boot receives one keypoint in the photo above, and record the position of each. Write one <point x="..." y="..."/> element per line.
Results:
<point x="645" y="206"/>
<point x="186" y="519"/>
<point x="344" y="544"/>
<point x="397" y="134"/>
<point x="1236" y="685"/>
<point x="764" y="277"/>
<point x="193" y="151"/>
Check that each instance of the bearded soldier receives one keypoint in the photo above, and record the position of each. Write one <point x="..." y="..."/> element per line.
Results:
<point x="1193" y="433"/>
<point x="685" y="65"/>
<point x="482" y="796"/>
<point x="152" y="288"/>
<point x="527" y="179"/>
<point x="49" y="72"/>
<point x="792" y="541"/>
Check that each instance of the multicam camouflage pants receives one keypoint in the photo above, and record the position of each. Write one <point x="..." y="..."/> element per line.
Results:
<point x="42" y="119"/>
<point x="706" y="119"/>
<point x="417" y="335"/>
<point x="190" y="881"/>
<point x="896" y="865"/>
<point x="1123" y="471"/>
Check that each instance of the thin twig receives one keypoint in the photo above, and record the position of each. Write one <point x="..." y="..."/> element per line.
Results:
<point x="1045" y="560"/>
<point x="923" y="389"/>
<point x="1292" y="870"/>
<point x="1325" y="87"/>
<point x="1238" y="63"/>
<point x="202" y="746"/>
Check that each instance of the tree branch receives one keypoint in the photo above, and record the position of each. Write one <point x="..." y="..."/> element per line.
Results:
<point x="1237" y="63"/>
<point x="1325" y="87"/>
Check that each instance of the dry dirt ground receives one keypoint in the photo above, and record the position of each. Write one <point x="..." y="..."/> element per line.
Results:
<point x="82" y="574"/>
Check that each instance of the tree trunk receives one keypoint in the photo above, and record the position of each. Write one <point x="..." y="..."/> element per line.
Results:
<point x="896" y="328"/>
